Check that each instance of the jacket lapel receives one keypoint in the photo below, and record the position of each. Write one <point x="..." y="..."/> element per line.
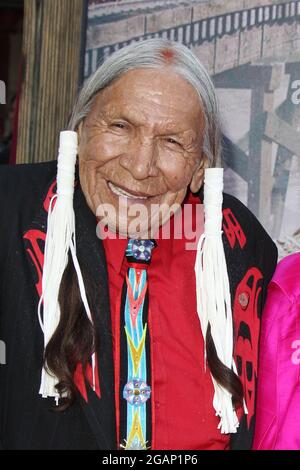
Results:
<point x="91" y="257"/>
<point x="100" y="412"/>
<point x="245" y="281"/>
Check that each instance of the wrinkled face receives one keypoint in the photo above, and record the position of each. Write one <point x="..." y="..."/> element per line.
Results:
<point x="141" y="146"/>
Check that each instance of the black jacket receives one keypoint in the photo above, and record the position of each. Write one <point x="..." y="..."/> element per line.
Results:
<point x="28" y="421"/>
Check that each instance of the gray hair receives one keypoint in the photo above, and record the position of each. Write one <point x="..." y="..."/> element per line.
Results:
<point x="148" y="53"/>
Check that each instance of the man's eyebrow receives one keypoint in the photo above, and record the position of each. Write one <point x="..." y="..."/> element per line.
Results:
<point x="122" y="117"/>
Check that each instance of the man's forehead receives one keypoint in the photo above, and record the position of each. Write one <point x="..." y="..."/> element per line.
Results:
<point x="165" y="116"/>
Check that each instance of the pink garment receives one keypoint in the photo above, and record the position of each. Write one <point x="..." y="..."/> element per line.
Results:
<point x="278" y="399"/>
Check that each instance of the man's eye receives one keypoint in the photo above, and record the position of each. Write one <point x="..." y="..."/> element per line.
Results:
<point x="119" y="125"/>
<point x="172" y="141"/>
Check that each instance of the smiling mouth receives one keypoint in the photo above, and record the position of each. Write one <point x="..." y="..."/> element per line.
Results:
<point x="121" y="192"/>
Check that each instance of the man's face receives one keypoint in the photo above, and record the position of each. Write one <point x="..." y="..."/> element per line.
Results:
<point x="141" y="143"/>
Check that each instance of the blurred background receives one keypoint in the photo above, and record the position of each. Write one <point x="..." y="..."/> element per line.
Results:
<point x="250" y="47"/>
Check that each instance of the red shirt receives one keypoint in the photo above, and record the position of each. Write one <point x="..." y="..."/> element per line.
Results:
<point x="182" y="391"/>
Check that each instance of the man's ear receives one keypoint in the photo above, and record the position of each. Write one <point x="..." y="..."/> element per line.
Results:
<point x="198" y="176"/>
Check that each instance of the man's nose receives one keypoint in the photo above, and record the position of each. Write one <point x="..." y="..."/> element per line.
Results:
<point x="140" y="161"/>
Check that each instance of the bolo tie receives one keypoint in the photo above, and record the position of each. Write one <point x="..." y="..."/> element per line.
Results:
<point x="135" y="370"/>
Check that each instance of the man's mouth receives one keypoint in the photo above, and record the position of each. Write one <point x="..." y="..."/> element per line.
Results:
<point x="122" y="192"/>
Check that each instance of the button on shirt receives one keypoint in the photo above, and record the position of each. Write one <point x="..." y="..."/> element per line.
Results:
<point x="181" y="390"/>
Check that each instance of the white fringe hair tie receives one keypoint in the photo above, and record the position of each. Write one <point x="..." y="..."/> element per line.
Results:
<point x="213" y="294"/>
<point x="60" y="238"/>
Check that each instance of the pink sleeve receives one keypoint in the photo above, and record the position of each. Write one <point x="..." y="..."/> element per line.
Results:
<point x="278" y="398"/>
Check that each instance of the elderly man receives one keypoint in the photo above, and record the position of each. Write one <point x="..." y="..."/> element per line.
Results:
<point x="118" y="329"/>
